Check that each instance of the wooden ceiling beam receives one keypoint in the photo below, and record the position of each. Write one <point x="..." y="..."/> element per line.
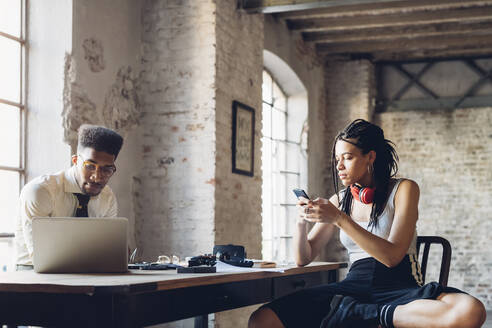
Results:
<point x="416" y="44"/>
<point x="400" y="19"/>
<point x="282" y="6"/>
<point x="416" y="56"/>
<point x="379" y="8"/>
<point x="448" y="54"/>
<point x="399" y="32"/>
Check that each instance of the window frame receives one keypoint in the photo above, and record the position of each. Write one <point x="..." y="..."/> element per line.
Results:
<point x="20" y="168"/>
<point x="280" y="236"/>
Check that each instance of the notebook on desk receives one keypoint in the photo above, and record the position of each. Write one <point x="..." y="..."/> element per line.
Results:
<point x="75" y="245"/>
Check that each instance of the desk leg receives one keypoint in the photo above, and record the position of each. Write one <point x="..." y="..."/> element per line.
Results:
<point x="334" y="275"/>
<point x="201" y="321"/>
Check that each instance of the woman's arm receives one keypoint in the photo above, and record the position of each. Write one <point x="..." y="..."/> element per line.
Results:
<point x="308" y="246"/>
<point x="389" y="252"/>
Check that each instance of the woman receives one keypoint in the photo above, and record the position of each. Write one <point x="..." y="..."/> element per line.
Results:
<point x="377" y="216"/>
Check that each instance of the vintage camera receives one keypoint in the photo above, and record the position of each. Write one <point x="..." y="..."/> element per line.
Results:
<point x="232" y="254"/>
<point x="207" y="259"/>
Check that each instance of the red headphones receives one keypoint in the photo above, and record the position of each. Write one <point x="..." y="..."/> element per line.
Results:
<point x="363" y="194"/>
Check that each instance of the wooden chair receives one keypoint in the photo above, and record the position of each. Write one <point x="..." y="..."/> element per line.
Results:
<point x="446" y="256"/>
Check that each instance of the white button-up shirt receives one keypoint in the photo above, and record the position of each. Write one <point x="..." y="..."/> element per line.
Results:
<point x="53" y="196"/>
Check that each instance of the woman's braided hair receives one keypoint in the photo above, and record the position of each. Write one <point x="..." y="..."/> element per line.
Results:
<point x="367" y="136"/>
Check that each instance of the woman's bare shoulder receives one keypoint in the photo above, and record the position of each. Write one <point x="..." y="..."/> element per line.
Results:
<point x="408" y="183"/>
<point x="408" y="187"/>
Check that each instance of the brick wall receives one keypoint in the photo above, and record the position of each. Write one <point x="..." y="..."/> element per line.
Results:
<point x="349" y="94"/>
<point x="449" y="154"/>
<point x="194" y="66"/>
<point x="239" y="77"/>
<point x="349" y="86"/>
<point x="239" y="38"/>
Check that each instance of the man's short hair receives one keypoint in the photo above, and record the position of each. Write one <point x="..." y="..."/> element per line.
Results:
<point x="100" y="138"/>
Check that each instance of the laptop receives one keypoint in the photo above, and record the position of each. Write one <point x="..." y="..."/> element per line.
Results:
<point x="80" y="245"/>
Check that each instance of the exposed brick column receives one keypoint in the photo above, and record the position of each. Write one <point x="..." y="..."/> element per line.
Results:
<point x="349" y="95"/>
<point x="197" y="58"/>
<point x="174" y="190"/>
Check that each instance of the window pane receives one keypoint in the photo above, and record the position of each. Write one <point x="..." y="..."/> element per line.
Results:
<point x="266" y="157"/>
<point x="10" y="17"/>
<point x="266" y="128"/>
<point x="292" y="215"/>
<point x="292" y="182"/>
<point x="6" y="254"/>
<point x="281" y="104"/>
<point x="278" y="125"/>
<point x="9" y="194"/>
<point x="267" y="251"/>
<point x="293" y="152"/>
<point x="278" y="95"/>
<point x="267" y="88"/>
<point x="267" y="228"/>
<point x="278" y="216"/>
<point x="9" y="136"/>
<point x="9" y="69"/>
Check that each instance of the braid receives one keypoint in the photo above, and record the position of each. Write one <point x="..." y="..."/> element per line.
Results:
<point x="368" y="137"/>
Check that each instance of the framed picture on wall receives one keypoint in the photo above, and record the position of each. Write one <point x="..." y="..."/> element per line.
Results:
<point x="243" y="138"/>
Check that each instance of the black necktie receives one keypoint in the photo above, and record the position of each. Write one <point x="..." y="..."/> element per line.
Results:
<point x="82" y="208"/>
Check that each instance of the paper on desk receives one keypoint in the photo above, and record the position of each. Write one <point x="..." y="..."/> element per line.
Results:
<point x="224" y="267"/>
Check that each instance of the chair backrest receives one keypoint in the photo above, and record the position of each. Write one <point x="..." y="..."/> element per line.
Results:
<point x="446" y="256"/>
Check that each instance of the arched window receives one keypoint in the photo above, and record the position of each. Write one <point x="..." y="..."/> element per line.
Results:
<point x="284" y="165"/>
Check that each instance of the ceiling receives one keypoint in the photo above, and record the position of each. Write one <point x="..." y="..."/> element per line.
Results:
<point x="386" y="30"/>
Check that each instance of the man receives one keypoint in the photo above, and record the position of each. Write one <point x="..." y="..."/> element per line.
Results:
<point x="79" y="191"/>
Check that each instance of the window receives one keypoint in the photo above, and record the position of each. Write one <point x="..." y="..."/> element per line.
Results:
<point x="12" y="58"/>
<point x="284" y="162"/>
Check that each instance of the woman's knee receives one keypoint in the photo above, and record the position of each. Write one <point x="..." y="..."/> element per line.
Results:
<point x="469" y="312"/>
<point x="264" y="317"/>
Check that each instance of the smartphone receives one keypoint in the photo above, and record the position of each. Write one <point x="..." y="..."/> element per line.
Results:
<point x="300" y="193"/>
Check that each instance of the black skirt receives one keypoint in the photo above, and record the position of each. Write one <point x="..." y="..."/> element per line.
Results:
<point x="368" y="281"/>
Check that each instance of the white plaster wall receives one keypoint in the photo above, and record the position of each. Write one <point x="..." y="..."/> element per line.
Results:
<point x="116" y="24"/>
<point x="49" y="37"/>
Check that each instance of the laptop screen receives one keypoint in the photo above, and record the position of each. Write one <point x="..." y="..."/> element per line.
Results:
<point x="73" y="245"/>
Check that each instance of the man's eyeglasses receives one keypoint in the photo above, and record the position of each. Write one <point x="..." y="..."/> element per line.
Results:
<point x="91" y="167"/>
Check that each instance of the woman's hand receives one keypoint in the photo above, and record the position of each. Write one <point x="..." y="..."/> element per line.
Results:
<point x="308" y="246"/>
<point x="319" y="210"/>
<point x="302" y="203"/>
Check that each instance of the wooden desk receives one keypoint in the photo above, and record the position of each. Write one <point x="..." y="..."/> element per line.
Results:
<point x="141" y="298"/>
